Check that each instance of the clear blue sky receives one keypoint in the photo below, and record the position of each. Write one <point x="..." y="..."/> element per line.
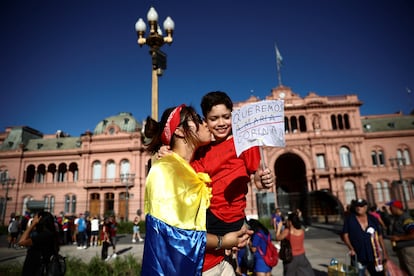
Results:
<point x="69" y="64"/>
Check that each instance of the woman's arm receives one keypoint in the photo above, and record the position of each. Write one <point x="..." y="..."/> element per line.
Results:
<point x="280" y="235"/>
<point x="25" y="239"/>
<point x="230" y="240"/>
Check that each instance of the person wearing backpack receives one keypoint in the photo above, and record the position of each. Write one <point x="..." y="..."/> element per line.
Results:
<point x="294" y="232"/>
<point x="265" y="253"/>
<point x="13" y="232"/>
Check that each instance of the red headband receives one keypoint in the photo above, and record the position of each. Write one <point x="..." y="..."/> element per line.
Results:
<point x="172" y="123"/>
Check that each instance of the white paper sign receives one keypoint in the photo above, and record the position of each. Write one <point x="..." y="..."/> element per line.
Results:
<point x="259" y="124"/>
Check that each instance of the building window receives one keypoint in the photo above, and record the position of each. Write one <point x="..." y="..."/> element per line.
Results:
<point x="377" y="158"/>
<point x="287" y="128"/>
<point x="97" y="170"/>
<point x="294" y="124"/>
<point x="302" y="124"/>
<point x="125" y="166"/>
<point x="345" y="157"/>
<point x="407" y="158"/>
<point x="48" y="202"/>
<point x="374" y="158"/>
<point x="320" y="161"/>
<point x="349" y="188"/>
<point x="70" y="204"/>
<point x="110" y="170"/>
<point x="383" y="192"/>
<point x="333" y="122"/>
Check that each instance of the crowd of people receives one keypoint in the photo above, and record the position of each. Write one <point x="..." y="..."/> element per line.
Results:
<point x="198" y="226"/>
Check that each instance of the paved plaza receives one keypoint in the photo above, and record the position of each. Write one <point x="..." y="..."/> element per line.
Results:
<point x="322" y="243"/>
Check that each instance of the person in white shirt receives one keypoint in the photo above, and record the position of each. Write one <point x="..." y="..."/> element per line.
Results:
<point x="94" y="231"/>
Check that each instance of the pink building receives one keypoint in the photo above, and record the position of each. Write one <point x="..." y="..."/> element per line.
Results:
<point x="332" y="155"/>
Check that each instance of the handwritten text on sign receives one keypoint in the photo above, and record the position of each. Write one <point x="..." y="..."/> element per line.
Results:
<point x="259" y="124"/>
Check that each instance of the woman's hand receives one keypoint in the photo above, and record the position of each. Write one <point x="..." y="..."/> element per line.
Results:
<point x="237" y="239"/>
<point x="163" y="151"/>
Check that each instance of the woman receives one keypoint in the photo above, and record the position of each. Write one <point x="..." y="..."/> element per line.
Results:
<point x="296" y="235"/>
<point x="176" y="199"/>
<point x="230" y="176"/>
<point x="136" y="235"/>
<point x="260" y="236"/>
<point x="362" y="234"/>
<point x="42" y="240"/>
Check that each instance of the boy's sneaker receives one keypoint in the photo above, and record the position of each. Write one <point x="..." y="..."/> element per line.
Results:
<point x="114" y="256"/>
<point x="141" y="240"/>
<point x="79" y="247"/>
<point x="134" y="241"/>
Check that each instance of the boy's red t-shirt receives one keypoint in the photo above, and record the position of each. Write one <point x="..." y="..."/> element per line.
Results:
<point x="230" y="176"/>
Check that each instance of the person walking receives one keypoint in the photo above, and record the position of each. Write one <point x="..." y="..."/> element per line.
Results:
<point x="42" y="240"/>
<point x="362" y="234"/>
<point x="175" y="219"/>
<point x="136" y="235"/>
<point x="293" y="231"/>
<point x="106" y="239"/>
<point x="402" y="236"/>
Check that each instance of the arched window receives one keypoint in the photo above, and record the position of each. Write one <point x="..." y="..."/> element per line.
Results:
<point x="302" y="123"/>
<point x="110" y="170"/>
<point x="406" y="155"/>
<point x="125" y="166"/>
<point x="41" y="173"/>
<point x="30" y="173"/>
<point x="349" y="188"/>
<point x="97" y="170"/>
<point x="346" y="121"/>
<point x="333" y="122"/>
<point x="73" y="168"/>
<point x="345" y="157"/>
<point x="340" y="122"/>
<point x="294" y="124"/>
<point x="62" y="170"/>
<point x="287" y="129"/>
<point x="374" y="158"/>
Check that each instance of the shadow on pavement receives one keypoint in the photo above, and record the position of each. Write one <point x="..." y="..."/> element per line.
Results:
<point x="122" y="251"/>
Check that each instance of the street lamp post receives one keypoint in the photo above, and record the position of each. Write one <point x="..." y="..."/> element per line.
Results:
<point x="6" y="183"/>
<point x="127" y="178"/>
<point x="400" y="162"/>
<point x="155" y="40"/>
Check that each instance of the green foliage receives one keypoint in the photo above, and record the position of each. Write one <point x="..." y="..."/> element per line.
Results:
<point x="126" y="227"/>
<point x="13" y="268"/>
<point x="3" y="230"/>
<point x="123" y="266"/>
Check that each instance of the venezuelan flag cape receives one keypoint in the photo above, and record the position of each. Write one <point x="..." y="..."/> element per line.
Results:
<point x="176" y="200"/>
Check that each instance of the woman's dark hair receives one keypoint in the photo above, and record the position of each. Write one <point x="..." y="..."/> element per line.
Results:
<point x="295" y="220"/>
<point x="154" y="129"/>
<point x="215" y="98"/>
<point x="256" y="225"/>
<point x="47" y="223"/>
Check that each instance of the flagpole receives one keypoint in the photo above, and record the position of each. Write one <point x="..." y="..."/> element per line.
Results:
<point x="278" y="65"/>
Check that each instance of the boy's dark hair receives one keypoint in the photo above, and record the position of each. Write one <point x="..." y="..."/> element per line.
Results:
<point x="215" y="98"/>
<point x="256" y="225"/>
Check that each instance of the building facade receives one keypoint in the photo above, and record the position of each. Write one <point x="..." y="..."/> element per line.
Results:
<point x="332" y="155"/>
